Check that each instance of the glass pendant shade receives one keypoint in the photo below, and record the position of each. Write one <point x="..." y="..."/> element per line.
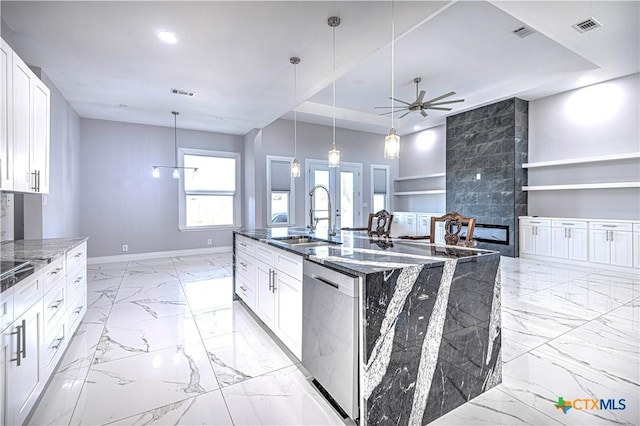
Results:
<point x="155" y="172"/>
<point x="334" y="156"/>
<point x="295" y="168"/>
<point x="176" y="174"/>
<point x="392" y="145"/>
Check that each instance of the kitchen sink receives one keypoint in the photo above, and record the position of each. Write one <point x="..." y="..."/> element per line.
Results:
<point x="304" y="241"/>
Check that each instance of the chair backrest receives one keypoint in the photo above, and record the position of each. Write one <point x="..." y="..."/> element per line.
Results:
<point x="380" y="223"/>
<point x="454" y="221"/>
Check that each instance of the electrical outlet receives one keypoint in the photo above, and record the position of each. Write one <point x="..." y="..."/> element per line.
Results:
<point x="125" y="247"/>
<point x="209" y="242"/>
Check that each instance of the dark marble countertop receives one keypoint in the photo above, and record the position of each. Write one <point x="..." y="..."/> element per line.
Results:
<point x="357" y="253"/>
<point x="37" y="252"/>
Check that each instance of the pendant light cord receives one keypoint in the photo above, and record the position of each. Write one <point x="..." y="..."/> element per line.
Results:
<point x="295" y="113"/>
<point x="175" y="137"/>
<point x="393" y="54"/>
<point x="334" y="86"/>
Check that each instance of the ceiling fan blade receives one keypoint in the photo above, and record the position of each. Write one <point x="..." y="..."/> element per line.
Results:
<point x="444" y="102"/>
<point x="420" y="97"/>
<point x="384" y="107"/>
<point x="438" y="108"/>
<point x="398" y="100"/>
<point x="424" y="114"/>
<point x="403" y="115"/>
<point x="446" y="95"/>
<point x="385" y="113"/>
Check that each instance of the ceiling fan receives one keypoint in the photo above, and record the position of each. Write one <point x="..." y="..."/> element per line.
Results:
<point x="420" y="105"/>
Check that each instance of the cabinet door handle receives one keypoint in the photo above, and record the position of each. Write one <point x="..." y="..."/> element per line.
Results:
<point x="609" y="226"/>
<point x="57" y="304"/>
<point x="79" y="254"/>
<point x="24" y="338"/>
<point x="243" y="264"/>
<point x="611" y="236"/>
<point x="77" y="280"/>
<point x="270" y="279"/>
<point x="243" y="244"/>
<point x="56" y="271"/>
<point x="18" y="334"/>
<point x="77" y="311"/>
<point x="606" y="235"/>
<point x="274" y="281"/>
<point x="58" y="343"/>
<point x="243" y="288"/>
<point x="565" y="232"/>
<point x="569" y="231"/>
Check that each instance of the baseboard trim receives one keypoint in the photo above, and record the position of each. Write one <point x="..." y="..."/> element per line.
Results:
<point x="154" y="255"/>
<point x="586" y="264"/>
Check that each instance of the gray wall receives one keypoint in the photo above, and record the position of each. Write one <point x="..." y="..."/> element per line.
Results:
<point x="492" y="141"/>
<point x="601" y="119"/>
<point x="314" y="142"/>
<point x="122" y="203"/>
<point x="422" y="153"/>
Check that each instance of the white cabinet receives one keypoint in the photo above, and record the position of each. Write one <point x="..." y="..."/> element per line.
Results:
<point x="25" y="117"/>
<point x="611" y="243"/>
<point x="535" y="236"/>
<point x="6" y="111"/>
<point x="269" y="280"/>
<point x="404" y="224"/>
<point x="569" y="240"/>
<point x="636" y="245"/>
<point x="21" y="366"/>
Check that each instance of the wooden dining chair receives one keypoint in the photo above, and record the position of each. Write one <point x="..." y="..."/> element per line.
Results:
<point x="379" y="224"/>
<point x="454" y="222"/>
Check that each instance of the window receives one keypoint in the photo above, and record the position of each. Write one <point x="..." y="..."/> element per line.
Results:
<point x="210" y="197"/>
<point x="280" y="184"/>
<point x="379" y="188"/>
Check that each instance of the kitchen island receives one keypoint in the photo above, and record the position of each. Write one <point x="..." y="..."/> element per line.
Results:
<point x="429" y="334"/>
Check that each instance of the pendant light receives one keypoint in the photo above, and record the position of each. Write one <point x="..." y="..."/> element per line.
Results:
<point x="392" y="141"/>
<point x="334" y="153"/>
<point x="155" y="171"/>
<point x="295" y="166"/>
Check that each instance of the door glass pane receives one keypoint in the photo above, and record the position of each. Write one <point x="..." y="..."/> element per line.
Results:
<point x="279" y="207"/>
<point x="209" y="210"/>
<point x="346" y="199"/>
<point x="320" y="200"/>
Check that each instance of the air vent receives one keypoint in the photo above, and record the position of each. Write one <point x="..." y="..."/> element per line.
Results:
<point x="183" y="93"/>
<point x="587" y="25"/>
<point x="523" y="32"/>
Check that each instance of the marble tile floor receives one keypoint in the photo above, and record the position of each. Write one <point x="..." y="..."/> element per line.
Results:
<point x="163" y="343"/>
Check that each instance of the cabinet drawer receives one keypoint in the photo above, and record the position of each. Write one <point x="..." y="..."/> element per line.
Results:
<point x="245" y="266"/>
<point x="27" y="293"/>
<point x="6" y="309"/>
<point x="245" y="245"/>
<point x="264" y="252"/>
<point x="76" y="256"/>
<point x="289" y="263"/>
<point x="54" y="344"/>
<point x="54" y="273"/>
<point x="54" y="305"/>
<point x="76" y="279"/>
<point x="76" y="309"/>
<point x="569" y="224"/>
<point x="611" y="226"/>
<point x="246" y="290"/>
<point x="535" y="222"/>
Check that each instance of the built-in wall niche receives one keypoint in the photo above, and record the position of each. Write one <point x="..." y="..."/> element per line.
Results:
<point x="380" y="188"/>
<point x="420" y="192"/>
<point x="280" y="192"/>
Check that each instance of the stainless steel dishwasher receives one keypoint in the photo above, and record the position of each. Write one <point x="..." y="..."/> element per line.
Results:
<point x="330" y="334"/>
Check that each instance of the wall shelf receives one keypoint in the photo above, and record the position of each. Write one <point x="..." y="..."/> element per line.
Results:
<point x="611" y="185"/>
<point x="600" y="158"/>
<point x="430" y="192"/>
<point x="432" y="175"/>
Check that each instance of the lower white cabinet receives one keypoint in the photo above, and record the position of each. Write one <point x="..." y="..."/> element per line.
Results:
<point x="535" y="237"/>
<point x="611" y="243"/>
<point x="569" y="240"/>
<point x="636" y="245"/>
<point x="21" y="362"/>
<point x="271" y="285"/>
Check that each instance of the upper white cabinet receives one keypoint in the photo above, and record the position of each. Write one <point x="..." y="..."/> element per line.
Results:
<point x="6" y="111"/>
<point x="25" y="115"/>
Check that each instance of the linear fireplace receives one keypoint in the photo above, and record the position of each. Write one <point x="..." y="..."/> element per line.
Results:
<point x="486" y="233"/>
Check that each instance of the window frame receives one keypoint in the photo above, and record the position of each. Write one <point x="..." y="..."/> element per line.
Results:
<point x="182" y="193"/>
<point x="387" y="198"/>
<point x="292" y="194"/>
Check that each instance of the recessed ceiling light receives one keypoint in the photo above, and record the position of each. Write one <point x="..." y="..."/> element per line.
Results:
<point x="168" y="37"/>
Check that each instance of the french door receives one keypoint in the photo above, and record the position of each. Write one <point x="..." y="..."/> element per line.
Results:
<point x="344" y="184"/>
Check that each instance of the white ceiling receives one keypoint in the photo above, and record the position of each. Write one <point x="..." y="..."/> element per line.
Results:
<point x="106" y="59"/>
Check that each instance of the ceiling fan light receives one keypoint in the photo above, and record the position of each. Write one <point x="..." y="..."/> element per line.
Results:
<point x="334" y="156"/>
<point x="155" y="172"/>
<point x="295" y="168"/>
<point x="392" y="145"/>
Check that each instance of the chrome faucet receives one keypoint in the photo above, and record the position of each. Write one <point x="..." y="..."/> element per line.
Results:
<point x="313" y="220"/>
